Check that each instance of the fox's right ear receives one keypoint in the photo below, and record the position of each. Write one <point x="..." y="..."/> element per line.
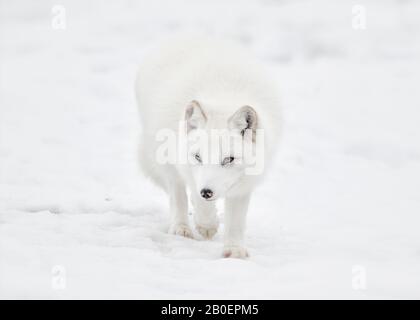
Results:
<point x="194" y="116"/>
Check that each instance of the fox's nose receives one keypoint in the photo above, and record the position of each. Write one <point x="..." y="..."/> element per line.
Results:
<point x="206" y="193"/>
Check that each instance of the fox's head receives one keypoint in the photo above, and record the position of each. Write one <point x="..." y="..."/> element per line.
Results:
<point x="220" y="148"/>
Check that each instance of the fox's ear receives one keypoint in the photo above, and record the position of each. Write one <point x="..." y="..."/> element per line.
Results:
<point x="194" y="116"/>
<point x="243" y="119"/>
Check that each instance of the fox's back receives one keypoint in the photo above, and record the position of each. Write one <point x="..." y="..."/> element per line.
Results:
<point x="220" y="75"/>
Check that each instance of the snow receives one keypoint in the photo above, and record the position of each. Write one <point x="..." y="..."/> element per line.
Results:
<point x="341" y="201"/>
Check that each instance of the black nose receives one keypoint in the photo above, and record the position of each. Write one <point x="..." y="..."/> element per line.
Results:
<point x="206" y="193"/>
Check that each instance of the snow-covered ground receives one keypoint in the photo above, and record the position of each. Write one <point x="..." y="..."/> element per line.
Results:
<point x="338" y="217"/>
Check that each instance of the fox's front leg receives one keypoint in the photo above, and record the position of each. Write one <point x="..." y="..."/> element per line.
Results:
<point x="178" y="206"/>
<point x="235" y="221"/>
<point x="205" y="216"/>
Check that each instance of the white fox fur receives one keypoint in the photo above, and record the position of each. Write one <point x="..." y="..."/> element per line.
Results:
<point x="205" y="82"/>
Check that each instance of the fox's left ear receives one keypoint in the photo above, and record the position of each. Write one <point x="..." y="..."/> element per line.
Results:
<point x="243" y="119"/>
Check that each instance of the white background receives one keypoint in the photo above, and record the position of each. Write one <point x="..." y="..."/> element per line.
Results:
<point x="77" y="219"/>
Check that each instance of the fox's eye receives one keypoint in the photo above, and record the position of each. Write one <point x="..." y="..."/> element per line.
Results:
<point x="197" y="157"/>
<point x="227" y="160"/>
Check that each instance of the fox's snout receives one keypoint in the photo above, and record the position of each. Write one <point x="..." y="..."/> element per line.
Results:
<point x="206" y="193"/>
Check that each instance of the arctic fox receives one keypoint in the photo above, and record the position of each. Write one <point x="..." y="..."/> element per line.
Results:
<point x="194" y="88"/>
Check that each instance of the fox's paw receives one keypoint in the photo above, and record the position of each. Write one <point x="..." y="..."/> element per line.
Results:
<point x="181" y="230"/>
<point x="206" y="232"/>
<point x="235" y="252"/>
